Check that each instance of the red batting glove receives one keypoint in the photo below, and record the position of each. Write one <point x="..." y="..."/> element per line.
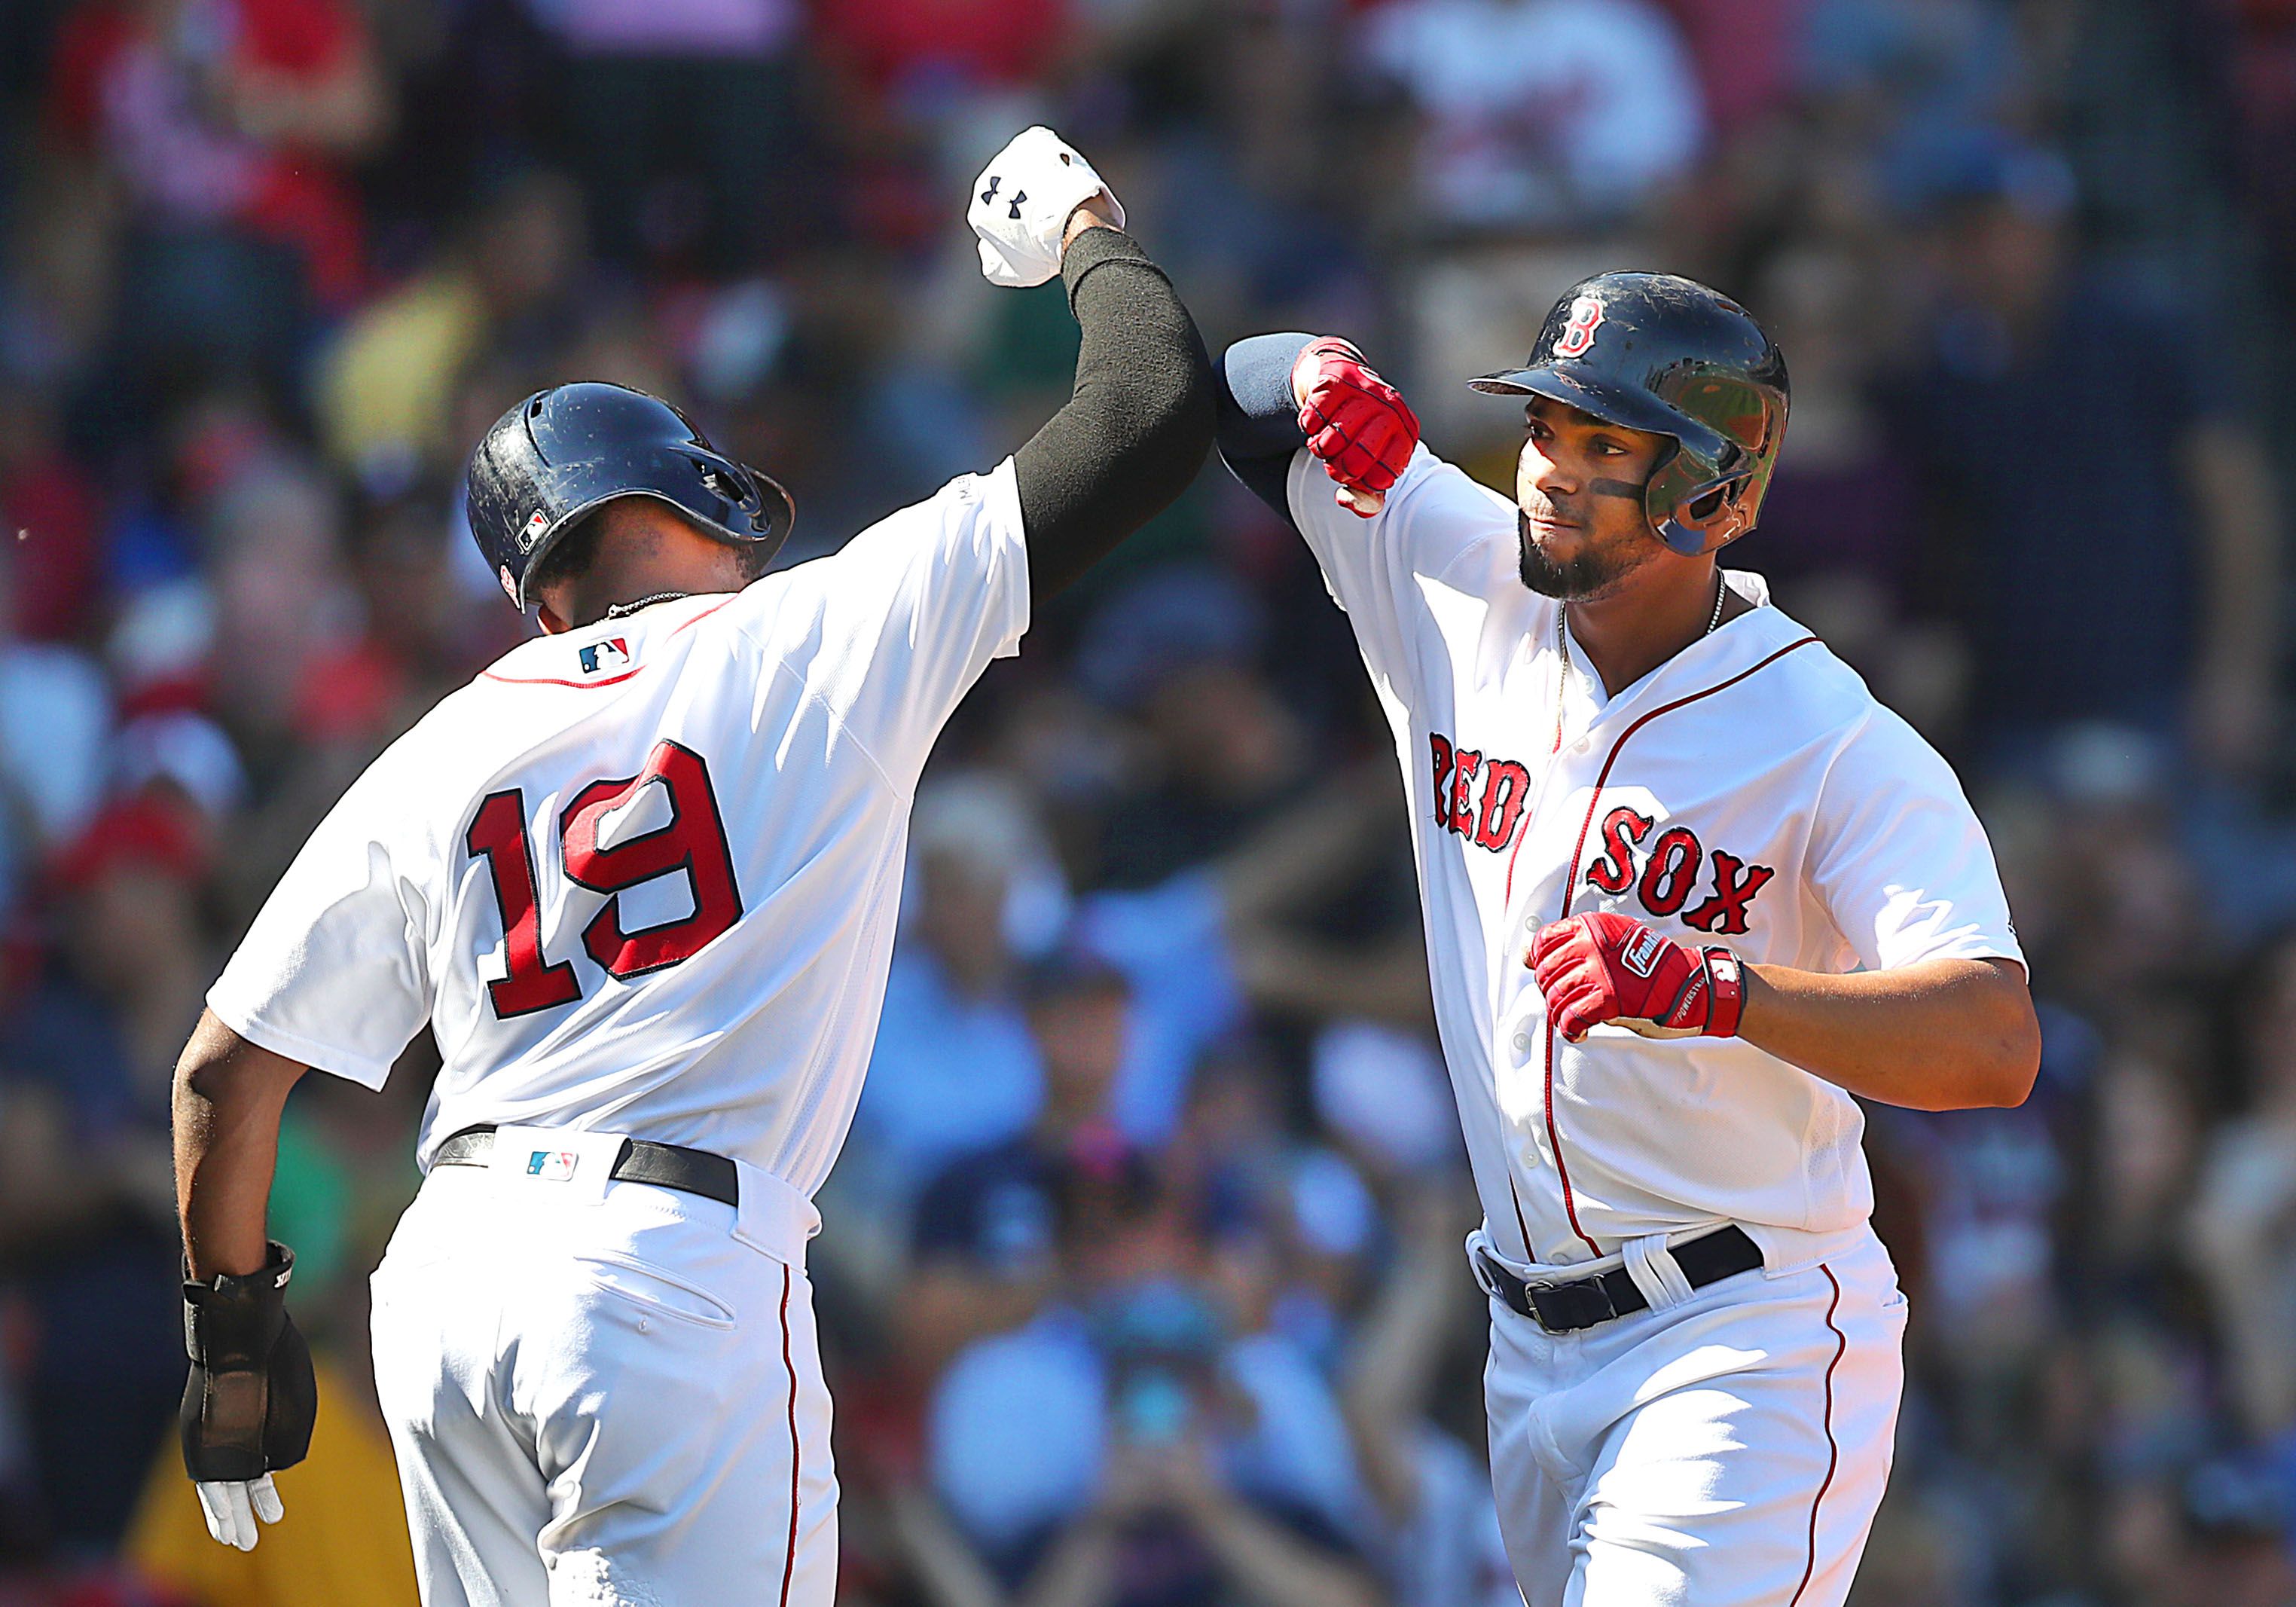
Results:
<point x="1598" y="970"/>
<point x="1356" y="423"/>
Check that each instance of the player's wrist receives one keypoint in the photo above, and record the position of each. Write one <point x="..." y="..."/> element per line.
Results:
<point x="1095" y="211"/>
<point x="1308" y="367"/>
<point x="1725" y="991"/>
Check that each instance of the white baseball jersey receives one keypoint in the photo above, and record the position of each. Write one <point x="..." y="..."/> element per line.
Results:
<point x="1749" y="790"/>
<point x="641" y="877"/>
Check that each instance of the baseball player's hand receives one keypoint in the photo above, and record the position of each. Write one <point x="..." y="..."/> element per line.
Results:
<point x="1357" y="423"/>
<point x="251" y="1399"/>
<point x="1021" y="203"/>
<point x="1603" y="970"/>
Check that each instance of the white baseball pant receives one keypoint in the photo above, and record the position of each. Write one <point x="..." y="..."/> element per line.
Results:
<point x="604" y="1392"/>
<point x="1728" y="1448"/>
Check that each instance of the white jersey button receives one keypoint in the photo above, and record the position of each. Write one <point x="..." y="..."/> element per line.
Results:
<point x="1522" y="1043"/>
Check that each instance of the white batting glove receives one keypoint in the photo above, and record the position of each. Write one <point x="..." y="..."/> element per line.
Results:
<point x="232" y="1507"/>
<point x="1021" y="205"/>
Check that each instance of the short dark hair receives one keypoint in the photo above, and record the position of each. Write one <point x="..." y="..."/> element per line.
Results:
<point x="570" y="557"/>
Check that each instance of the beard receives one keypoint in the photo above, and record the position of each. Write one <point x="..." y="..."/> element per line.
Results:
<point x="1589" y="575"/>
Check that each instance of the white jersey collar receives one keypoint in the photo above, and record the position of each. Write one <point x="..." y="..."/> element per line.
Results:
<point x="1734" y="645"/>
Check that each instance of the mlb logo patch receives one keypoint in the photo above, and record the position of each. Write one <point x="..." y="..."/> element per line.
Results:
<point x="611" y="653"/>
<point x="533" y="530"/>
<point x="552" y="1166"/>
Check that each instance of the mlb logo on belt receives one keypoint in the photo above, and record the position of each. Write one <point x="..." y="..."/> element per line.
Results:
<point x="1641" y="955"/>
<point x="610" y="654"/>
<point x="552" y="1166"/>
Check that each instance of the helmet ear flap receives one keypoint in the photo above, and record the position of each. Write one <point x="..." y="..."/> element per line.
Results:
<point x="1697" y="512"/>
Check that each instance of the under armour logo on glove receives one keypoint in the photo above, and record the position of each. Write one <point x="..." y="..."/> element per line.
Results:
<point x="1016" y="198"/>
<point x="1605" y="969"/>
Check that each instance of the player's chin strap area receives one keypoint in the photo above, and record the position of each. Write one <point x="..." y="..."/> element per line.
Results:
<point x="1690" y="540"/>
<point x="1695" y="541"/>
<point x="1567" y="1307"/>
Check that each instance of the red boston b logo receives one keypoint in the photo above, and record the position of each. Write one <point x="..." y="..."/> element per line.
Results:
<point x="1578" y="333"/>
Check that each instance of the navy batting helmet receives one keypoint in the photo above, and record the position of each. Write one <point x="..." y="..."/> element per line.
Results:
<point x="563" y="452"/>
<point x="1666" y="356"/>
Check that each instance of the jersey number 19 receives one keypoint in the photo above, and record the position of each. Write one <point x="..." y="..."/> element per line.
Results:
<point x="692" y="841"/>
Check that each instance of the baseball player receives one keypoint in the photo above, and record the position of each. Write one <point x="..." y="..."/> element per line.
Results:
<point x="1687" y="888"/>
<point x="640" y="879"/>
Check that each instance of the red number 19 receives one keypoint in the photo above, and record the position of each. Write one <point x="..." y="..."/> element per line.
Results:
<point x="692" y="842"/>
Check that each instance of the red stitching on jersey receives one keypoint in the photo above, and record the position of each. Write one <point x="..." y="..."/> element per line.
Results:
<point x="489" y="674"/>
<point x="699" y="617"/>
<point x="1570" y="887"/>
<point x="789" y="1562"/>
<point x="1833" y="1450"/>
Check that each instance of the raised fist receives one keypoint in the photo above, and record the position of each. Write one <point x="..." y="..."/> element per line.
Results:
<point x="1603" y="970"/>
<point x="1357" y="423"/>
<point x="1021" y="204"/>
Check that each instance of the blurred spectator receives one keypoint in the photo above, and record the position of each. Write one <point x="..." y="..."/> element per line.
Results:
<point x="955" y="1068"/>
<point x="991" y="1216"/>
<point x="2244" y="1220"/>
<point x="685" y="120"/>
<point x="48" y="507"/>
<point x="1224" y="752"/>
<point x="386" y="394"/>
<point x="1540" y="114"/>
<point x="1120" y="1450"/>
<point x="227" y="120"/>
<point x="2147" y="512"/>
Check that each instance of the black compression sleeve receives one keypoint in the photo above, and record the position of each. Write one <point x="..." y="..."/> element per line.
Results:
<point x="1135" y="428"/>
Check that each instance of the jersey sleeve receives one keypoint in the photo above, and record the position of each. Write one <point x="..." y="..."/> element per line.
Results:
<point x="1374" y="567"/>
<point x="906" y="616"/>
<point x="333" y="973"/>
<point x="1898" y="859"/>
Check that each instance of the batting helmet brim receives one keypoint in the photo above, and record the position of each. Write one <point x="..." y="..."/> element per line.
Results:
<point x="1625" y="405"/>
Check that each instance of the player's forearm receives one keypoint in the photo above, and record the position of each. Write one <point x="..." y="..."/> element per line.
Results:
<point x="1946" y="1035"/>
<point x="1136" y="427"/>
<point x="2232" y="492"/>
<point x="228" y="1096"/>
<point x="2232" y="485"/>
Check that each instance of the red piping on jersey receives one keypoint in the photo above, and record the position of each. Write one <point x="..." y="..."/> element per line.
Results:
<point x="1833" y="1450"/>
<point x="1570" y="887"/>
<point x="789" y="1562"/>
<point x="489" y="674"/>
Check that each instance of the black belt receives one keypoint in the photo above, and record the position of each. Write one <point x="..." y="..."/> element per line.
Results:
<point x="664" y="1165"/>
<point x="1582" y="1303"/>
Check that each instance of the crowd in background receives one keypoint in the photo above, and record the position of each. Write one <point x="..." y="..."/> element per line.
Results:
<point x="1141" y="1280"/>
